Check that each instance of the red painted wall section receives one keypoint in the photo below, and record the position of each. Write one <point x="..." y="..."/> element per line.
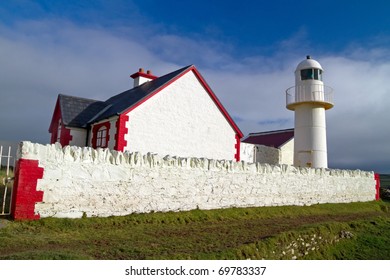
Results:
<point x="25" y="193"/>
<point x="237" y="146"/>
<point x="377" y="186"/>
<point x="121" y="131"/>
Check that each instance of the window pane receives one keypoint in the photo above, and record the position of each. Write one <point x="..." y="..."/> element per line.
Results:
<point x="307" y="74"/>
<point x="101" y="137"/>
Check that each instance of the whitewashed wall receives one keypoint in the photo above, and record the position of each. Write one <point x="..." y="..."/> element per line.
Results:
<point x="287" y="153"/>
<point x="270" y="155"/>
<point x="78" y="137"/>
<point x="103" y="183"/>
<point x="182" y="120"/>
<point x="263" y="154"/>
<point x="247" y="152"/>
<point x="111" y="132"/>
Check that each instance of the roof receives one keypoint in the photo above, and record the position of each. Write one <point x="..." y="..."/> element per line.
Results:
<point x="276" y="138"/>
<point x="79" y="112"/>
<point x="308" y="63"/>
<point x="126" y="100"/>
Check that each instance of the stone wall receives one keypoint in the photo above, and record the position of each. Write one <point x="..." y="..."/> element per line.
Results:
<point x="104" y="183"/>
<point x="269" y="155"/>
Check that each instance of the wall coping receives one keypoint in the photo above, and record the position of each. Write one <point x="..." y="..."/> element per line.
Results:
<point x="52" y="153"/>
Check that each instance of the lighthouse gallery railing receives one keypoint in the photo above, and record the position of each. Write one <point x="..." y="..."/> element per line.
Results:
<point x="310" y="93"/>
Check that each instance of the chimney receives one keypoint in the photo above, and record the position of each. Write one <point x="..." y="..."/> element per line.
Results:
<point x="141" y="77"/>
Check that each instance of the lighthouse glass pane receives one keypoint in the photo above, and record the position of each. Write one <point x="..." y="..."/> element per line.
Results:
<point x="318" y="74"/>
<point x="307" y="74"/>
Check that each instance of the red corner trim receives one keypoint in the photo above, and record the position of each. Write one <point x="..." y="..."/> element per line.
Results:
<point x="121" y="131"/>
<point x="25" y="193"/>
<point x="95" y="130"/>
<point x="65" y="136"/>
<point x="377" y="186"/>
<point x="237" y="146"/>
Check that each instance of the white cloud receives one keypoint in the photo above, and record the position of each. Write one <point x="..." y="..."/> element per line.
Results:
<point x="43" y="58"/>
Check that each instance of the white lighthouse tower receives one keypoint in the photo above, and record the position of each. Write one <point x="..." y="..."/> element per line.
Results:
<point x="309" y="98"/>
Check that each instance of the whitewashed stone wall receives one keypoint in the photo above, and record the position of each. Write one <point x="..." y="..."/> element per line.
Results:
<point x="270" y="155"/>
<point x="104" y="183"/>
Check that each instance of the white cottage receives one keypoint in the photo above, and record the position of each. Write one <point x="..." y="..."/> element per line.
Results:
<point x="177" y="114"/>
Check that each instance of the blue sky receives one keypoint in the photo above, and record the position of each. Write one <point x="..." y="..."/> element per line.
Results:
<point x="247" y="51"/>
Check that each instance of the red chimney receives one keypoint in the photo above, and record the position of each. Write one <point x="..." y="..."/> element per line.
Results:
<point x="141" y="77"/>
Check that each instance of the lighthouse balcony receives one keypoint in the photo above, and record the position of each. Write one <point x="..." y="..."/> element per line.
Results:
<point x="318" y="94"/>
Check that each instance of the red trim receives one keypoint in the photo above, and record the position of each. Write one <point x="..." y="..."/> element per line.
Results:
<point x="25" y="190"/>
<point x="142" y="74"/>
<point x="65" y="136"/>
<point x="56" y="115"/>
<point x="377" y="186"/>
<point x="207" y="88"/>
<point x="53" y="129"/>
<point x="95" y="130"/>
<point x="121" y="131"/>
<point x="237" y="146"/>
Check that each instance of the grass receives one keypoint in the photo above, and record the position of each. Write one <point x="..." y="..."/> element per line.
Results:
<point x="335" y="231"/>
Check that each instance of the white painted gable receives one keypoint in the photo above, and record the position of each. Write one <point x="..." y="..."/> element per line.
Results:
<point x="181" y="120"/>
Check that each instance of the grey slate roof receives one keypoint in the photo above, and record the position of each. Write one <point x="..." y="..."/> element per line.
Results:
<point x="79" y="112"/>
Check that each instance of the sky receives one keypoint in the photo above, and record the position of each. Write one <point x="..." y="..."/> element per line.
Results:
<point x="246" y="50"/>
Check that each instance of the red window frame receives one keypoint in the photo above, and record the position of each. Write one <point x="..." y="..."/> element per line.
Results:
<point x="101" y="135"/>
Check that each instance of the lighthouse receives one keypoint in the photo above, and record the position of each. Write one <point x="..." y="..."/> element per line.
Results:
<point x="309" y="99"/>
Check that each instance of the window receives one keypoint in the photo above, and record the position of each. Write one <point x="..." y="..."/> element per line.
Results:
<point x="311" y="74"/>
<point x="59" y="131"/>
<point x="318" y="74"/>
<point x="101" y="137"/>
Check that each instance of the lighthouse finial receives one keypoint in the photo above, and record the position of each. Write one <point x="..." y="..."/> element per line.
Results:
<point x="308" y="57"/>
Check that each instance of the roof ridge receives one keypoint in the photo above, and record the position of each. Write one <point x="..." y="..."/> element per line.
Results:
<point x="77" y="97"/>
<point x="271" y="132"/>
